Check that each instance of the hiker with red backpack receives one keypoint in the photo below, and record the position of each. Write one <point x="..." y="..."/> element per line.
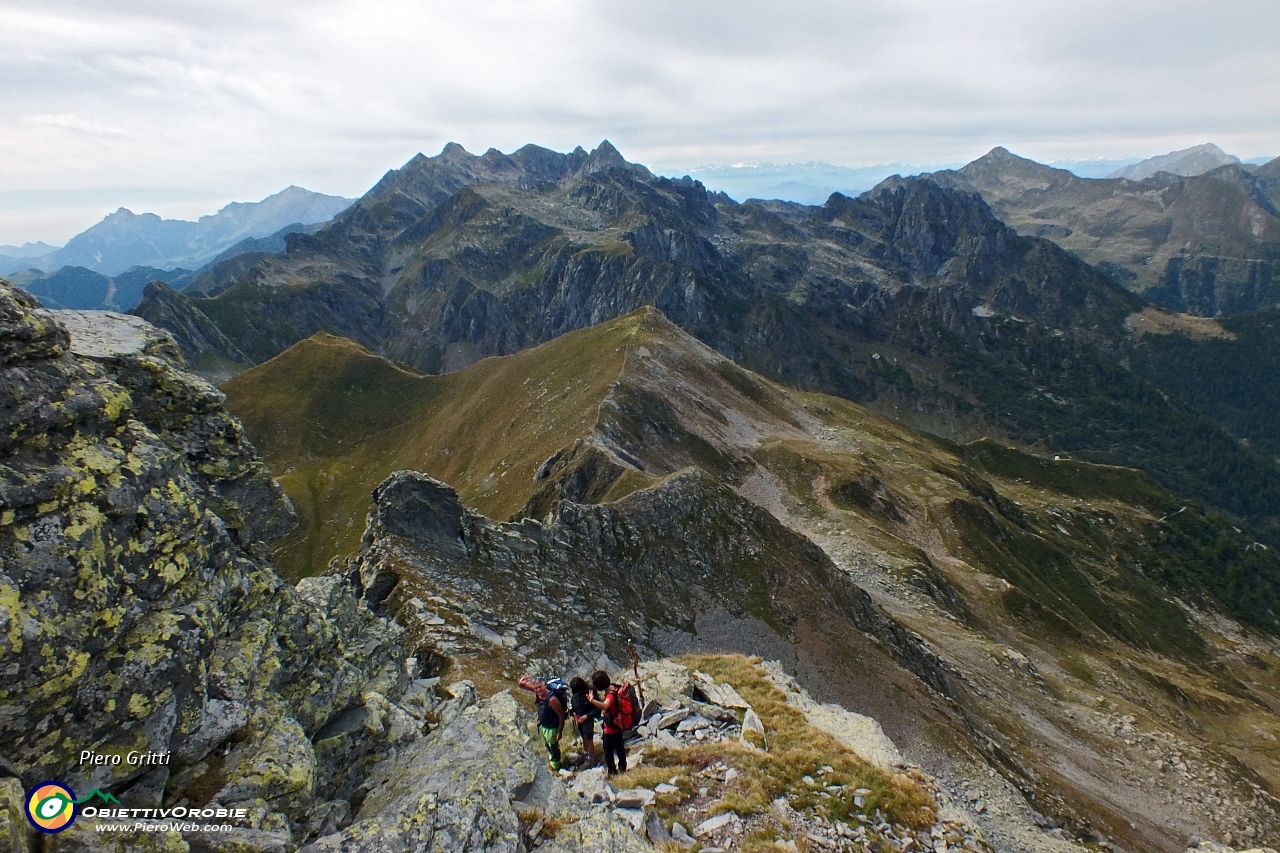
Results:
<point x="553" y="707"/>
<point x="621" y="714"/>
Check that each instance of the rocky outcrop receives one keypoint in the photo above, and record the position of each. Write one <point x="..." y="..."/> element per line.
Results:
<point x="139" y="613"/>
<point x="572" y="590"/>
<point x="465" y="788"/>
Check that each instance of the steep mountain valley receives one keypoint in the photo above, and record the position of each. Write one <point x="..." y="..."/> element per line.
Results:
<point x="915" y="530"/>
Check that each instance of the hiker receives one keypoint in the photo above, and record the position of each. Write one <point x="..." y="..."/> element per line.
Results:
<point x="552" y="711"/>
<point x="584" y="717"/>
<point x="617" y="720"/>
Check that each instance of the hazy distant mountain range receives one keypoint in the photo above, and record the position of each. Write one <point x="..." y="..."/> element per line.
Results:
<point x="814" y="182"/>
<point x="125" y="239"/>
<point x="806" y="183"/>
<point x="83" y="289"/>
<point x="1187" y="162"/>
<point x="1194" y="261"/>
<point x="26" y="250"/>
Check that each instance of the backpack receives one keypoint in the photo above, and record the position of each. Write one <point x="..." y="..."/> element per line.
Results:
<point x="557" y="688"/>
<point x="626" y="707"/>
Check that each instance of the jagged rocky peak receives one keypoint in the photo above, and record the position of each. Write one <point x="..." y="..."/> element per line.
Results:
<point x="424" y="179"/>
<point x="606" y="158"/>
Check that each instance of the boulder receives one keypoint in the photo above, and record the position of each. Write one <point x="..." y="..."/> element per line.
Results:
<point x="449" y="791"/>
<point x="656" y="831"/>
<point x="751" y="722"/>
<point x="671" y="719"/>
<point x="714" y="824"/>
<point x="634" y="798"/>
<point x="664" y="681"/>
<point x="634" y="817"/>
<point x="592" y="786"/>
<point x="723" y="695"/>
<point x="690" y="724"/>
<point x="712" y="712"/>
<point x="599" y="833"/>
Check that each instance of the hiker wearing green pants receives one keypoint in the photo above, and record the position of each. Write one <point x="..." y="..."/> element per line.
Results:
<point x="551" y="716"/>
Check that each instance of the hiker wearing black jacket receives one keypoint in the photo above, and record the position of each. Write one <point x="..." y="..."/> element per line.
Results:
<point x="615" y="751"/>
<point x="585" y="715"/>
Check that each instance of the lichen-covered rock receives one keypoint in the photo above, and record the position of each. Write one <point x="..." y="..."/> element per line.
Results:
<point x="454" y="790"/>
<point x="278" y="767"/>
<point x="450" y="793"/>
<point x="26" y="334"/>
<point x="139" y="612"/>
<point x="599" y="833"/>
<point x="240" y="840"/>
<point x="15" y="832"/>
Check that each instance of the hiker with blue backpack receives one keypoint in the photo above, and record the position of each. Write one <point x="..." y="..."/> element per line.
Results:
<point x="553" y="707"/>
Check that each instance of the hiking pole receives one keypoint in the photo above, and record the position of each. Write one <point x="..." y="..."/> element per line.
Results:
<point x="635" y="668"/>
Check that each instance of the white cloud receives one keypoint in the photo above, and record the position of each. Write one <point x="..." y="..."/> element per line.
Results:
<point x="241" y="98"/>
<point x="70" y="121"/>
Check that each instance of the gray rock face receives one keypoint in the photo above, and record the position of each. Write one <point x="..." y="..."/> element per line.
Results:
<point x="452" y="792"/>
<point x="201" y="341"/>
<point x="573" y="590"/>
<point x="138" y="608"/>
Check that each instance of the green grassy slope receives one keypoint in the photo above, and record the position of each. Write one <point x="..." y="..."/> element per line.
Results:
<point x="617" y="405"/>
<point x="333" y="420"/>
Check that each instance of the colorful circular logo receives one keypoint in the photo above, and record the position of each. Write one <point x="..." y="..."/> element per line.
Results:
<point x="51" y="807"/>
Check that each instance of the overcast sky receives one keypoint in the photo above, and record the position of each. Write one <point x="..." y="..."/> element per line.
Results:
<point x="179" y="106"/>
